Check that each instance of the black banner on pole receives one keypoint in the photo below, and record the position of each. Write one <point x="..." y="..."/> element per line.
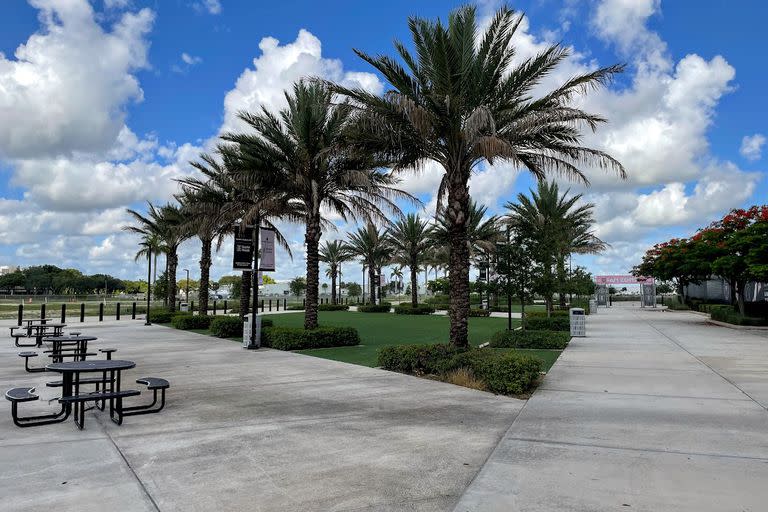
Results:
<point x="242" y="256"/>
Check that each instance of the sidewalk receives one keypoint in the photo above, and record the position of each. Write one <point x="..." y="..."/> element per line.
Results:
<point x="654" y="411"/>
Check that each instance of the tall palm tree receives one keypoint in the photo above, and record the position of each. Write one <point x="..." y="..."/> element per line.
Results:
<point x="223" y="197"/>
<point x="167" y="222"/>
<point x="482" y="230"/>
<point x="461" y="100"/>
<point x="149" y="247"/>
<point x="559" y="225"/>
<point x="371" y="245"/>
<point x="410" y="240"/>
<point x="334" y="253"/>
<point x="301" y="150"/>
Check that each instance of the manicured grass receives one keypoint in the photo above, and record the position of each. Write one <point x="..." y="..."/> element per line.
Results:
<point x="382" y="329"/>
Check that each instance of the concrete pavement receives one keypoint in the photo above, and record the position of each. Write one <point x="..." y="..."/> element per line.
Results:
<point x="653" y="411"/>
<point x="249" y="430"/>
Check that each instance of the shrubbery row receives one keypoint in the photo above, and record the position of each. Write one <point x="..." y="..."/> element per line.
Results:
<point x="554" y="323"/>
<point x="503" y="372"/>
<point x="333" y="307"/>
<point x="232" y="326"/>
<point x="729" y="315"/>
<point x="407" y="308"/>
<point x="374" y="308"/>
<point x="531" y="339"/>
<point x="297" y="338"/>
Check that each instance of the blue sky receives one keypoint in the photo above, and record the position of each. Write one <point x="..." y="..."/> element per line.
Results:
<point x="103" y="103"/>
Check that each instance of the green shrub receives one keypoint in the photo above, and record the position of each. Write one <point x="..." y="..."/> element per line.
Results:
<point x="581" y="303"/>
<point x="233" y="308"/>
<point x="408" y="309"/>
<point x="189" y="321"/>
<point x="500" y="371"/>
<point x="677" y="306"/>
<point x="543" y="314"/>
<point x="475" y="312"/>
<point x="333" y="307"/>
<point x="374" y="308"/>
<point x="297" y="338"/>
<point x="729" y="315"/>
<point x="295" y="307"/>
<point x="160" y="316"/>
<point x="232" y="326"/>
<point x="531" y="339"/>
<point x="555" y="323"/>
<point x="437" y="299"/>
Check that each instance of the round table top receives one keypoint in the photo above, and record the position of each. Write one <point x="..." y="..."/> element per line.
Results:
<point x="95" y="365"/>
<point x="65" y="339"/>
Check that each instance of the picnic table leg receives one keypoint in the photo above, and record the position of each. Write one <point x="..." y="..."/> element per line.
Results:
<point x="116" y="404"/>
<point x="79" y="406"/>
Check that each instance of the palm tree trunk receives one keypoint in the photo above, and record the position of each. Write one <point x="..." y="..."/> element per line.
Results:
<point x="371" y="281"/>
<point x="312" y="239"/>
<point x="173" y="262"/>
<point x="457" y="213"/>
<point x="333" y="285"/>
<point x="205" y="270"/>
<point x="414" y="286"/>
<point x="561" y="280"/>
<point x="245" y="293"/>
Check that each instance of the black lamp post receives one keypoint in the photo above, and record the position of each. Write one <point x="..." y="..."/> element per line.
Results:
<point x="149" y="282"/>
<point x="186" y="291"/>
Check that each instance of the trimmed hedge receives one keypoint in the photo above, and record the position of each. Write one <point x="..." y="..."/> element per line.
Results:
<point x="161" y="316"/>
<point x="232" y="326"/>
<point x="555" y="323"/>
<point x="374" y="308"/>
<point x="294" y="307"/>
<point x="407" y="309"/>
<point x="333" y="307"/>
<point x="543" y="314"/>
<point x="501" y="372"/>
<point x="729" y="315"/>
<point x="475" y="312"/>
<point x="187" y="321"/>
<point x="531" y="339"/>
<point x="297" y="338"/>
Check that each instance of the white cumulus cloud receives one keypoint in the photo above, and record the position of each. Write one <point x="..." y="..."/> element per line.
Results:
<point x="752" y="146"/>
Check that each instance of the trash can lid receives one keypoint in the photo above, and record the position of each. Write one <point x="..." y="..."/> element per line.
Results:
<point x="577" y="311"/>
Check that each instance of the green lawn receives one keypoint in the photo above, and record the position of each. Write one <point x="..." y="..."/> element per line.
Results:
<point x="379" y="330"/>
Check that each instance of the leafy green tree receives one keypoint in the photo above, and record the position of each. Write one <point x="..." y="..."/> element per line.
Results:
<point x="517" y="269"/>
<point x="298" y="285"/>
<point x="462" y="99"/>
<point x="302" y="151"/>
<point x="354" y="290"/>
<point x="410" y="239"/>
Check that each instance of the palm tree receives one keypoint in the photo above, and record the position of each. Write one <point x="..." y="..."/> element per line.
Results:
<point x="150" y="245"/>
<point x="223" y="197"/>
<point x="334" y="254"/>
<point x="460" y="100"/>
<point x="482" y="231"/>
<point x="559" y="225"/>
<point x="410" y="240"/>
<point x="372" y="247"/>
<point x="167" y="222"/>
<point x="302" y="151"/>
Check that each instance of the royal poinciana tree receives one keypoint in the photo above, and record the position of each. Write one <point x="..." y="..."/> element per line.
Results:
<point x="410" y="240"/>
<point x="301" y="151"/>
<point x="461" y="99"/>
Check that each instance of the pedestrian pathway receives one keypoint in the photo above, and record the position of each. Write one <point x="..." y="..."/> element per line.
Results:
<point x="653" y="411"/>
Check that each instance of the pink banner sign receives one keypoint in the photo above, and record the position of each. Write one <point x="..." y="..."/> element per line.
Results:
<point x="623" y="280"/>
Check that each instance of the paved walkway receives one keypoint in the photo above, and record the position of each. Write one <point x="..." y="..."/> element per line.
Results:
<point x="249" y="430"/>
<point x="654" y="411"/>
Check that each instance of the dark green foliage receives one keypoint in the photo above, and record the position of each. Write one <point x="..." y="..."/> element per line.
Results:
<point x="501" y="372"/>
<point x="479" y="312"/>
<point x="189" y="321"/>
<point x="295" y="307"/>
<point x="408" y="309"/>
<point x="290" y="338"/>
<point x="333" y="307"/>
<point x="581" y="303"/>
<point x="531" y="339"/>
<point x="543" y="314"/>
<point x="729" y="315"/>
<point x="555" y="323"/>
<point x="375" y="308"/>
<point x="160" y="316"/>
<point x="232" y="326"/>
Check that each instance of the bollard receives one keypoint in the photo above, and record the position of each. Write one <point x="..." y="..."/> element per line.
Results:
<point x="117" y="314"/>
<point x="133" y="311"/>
<point x="262" y="305"/>
<point x="270" y="304"/>
<point x="214" y="307"/>
<point x="285" y="304"/>
<point x="63" y="313"/>
<point x="101" y="311"/>
<point x="82" y="312"/>
<point x="225" y="307"/>
<point x="192" y="307"/>
<point x="42" y="311"/>
<point x="21" y="313"/>
<point x="277" y="304"/>
<point x="303" y="303"/>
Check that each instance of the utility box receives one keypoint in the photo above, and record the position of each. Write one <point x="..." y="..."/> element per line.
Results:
<point x="578" y="322"/>
<point x="247" y="332"/>
<point x="592" y="307"/>
<point x="184" y="307"/>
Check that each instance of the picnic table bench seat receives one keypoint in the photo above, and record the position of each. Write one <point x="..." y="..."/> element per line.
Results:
<point x="26" y="356"/>
<point x="21" y="395"/>
<point x="19" y="335"/>
<point x="88" y="380"/>
<point x="73" y="354"/>
<point x="154" y="382"/>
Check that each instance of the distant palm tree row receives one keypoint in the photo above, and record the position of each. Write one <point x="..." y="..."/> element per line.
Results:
<point x="459" y="98"/>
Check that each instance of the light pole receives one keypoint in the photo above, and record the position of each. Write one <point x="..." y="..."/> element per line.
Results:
<point x="186" y="292"/>
<point x="149" y="282"/>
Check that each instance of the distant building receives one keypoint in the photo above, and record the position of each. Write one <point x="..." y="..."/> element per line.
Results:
<point x="8" y="269"/>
